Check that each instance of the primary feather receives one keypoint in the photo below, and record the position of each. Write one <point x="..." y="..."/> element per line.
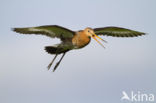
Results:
<point x="117" y="32"/>
<point x="49" y="30"/>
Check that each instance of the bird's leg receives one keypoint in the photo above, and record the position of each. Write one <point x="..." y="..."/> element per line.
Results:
<point x="58" y="62"/>
<point x="52" y="62"/>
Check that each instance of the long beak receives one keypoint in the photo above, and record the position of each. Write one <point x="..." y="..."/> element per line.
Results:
<point x="94" y="37"/>
<point x="100" y="38"/>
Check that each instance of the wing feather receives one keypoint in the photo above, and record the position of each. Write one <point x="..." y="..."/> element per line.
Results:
<point x="117" y="32"/>
<point x="49" y="30"/>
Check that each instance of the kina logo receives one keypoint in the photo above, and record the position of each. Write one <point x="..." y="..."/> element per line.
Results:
<point x="137" y="97"/>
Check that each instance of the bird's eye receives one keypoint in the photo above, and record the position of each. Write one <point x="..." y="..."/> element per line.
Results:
<point x="88" y="30"/>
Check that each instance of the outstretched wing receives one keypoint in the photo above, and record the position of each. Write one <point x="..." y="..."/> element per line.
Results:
<point x="117" y="32"/>
<point x="49" y="30"/>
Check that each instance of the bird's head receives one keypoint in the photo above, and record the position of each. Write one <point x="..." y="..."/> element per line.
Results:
<point x="90" y="32"/>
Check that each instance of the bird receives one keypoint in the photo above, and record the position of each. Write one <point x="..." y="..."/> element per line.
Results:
<point x="74" y="39"/>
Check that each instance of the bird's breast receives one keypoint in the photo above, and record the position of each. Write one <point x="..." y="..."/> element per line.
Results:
<point x="80" y="40"/>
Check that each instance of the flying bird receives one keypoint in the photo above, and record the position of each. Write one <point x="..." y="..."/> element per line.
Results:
<point x="74" y="39"/>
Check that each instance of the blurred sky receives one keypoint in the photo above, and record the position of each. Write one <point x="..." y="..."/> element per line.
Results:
<point x="89" y="75"/>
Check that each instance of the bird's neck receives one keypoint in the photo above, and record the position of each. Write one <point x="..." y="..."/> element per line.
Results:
<point x="80" y="39"/>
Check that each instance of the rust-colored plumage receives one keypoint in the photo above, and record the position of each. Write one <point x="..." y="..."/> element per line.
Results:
<point x="74" y="40"/>
<point x="80" y="39"/>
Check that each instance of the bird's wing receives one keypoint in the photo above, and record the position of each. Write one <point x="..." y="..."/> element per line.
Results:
<point x="117" y="32"/>
<point x="49" y="30"/>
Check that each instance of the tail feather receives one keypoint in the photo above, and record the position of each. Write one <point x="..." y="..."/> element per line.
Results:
<point x="55" y="50"/>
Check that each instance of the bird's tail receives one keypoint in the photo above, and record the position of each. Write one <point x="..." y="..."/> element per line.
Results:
<point x="55" y="50"/>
